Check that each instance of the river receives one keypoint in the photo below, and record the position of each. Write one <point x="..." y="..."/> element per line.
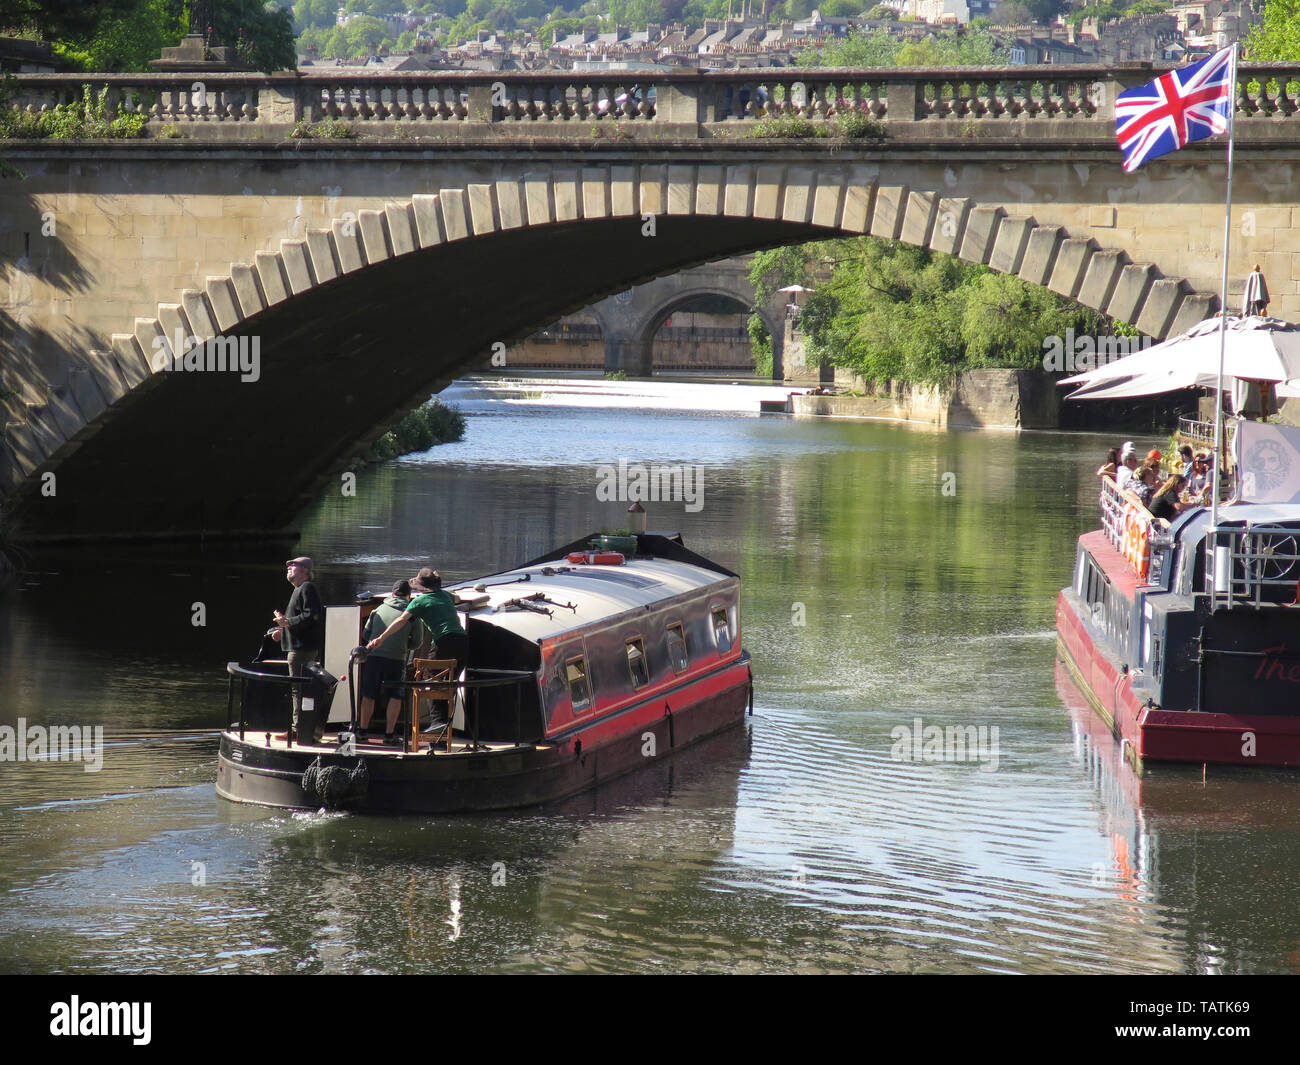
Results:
<point x="895" y="578"/>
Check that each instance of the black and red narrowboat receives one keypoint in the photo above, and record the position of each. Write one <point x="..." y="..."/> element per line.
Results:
<point x="1185" y="638"/>
<point x="584" y="665"/>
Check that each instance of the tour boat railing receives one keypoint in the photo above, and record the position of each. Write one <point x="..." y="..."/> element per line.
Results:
<point x="1240" y="564"/>
<point x="1128" y="526"/>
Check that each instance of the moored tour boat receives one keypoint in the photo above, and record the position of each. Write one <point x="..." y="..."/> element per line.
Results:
<point x="1185" y="637"/>
<point x="583" y="665"/>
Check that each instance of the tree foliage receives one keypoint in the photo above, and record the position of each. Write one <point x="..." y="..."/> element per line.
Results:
<point x="62" y="20"/>
<point x="126" y="42"/>
<point x="879" y="48"/>
<point x="1277" y="39"/>
<point x="895" y="312"/>
<point x="773" y="270"/>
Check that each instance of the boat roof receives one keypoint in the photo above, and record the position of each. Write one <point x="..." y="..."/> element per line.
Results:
<point x="596" y="592"/>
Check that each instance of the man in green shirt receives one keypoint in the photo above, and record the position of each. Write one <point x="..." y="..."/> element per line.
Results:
<point x="437" y="609"/>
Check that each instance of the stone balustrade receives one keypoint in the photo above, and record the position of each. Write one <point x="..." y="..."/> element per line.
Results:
<point x="1065" y="102"/>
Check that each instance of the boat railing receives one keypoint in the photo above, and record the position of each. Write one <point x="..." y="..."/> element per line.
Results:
<point x="473" y="681"/>
<point x="1247" y="567"/>
<point x="1128" y="526"/>
<point x="1201" y="434"/>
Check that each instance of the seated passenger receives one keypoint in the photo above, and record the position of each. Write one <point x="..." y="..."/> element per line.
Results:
<point x="1145" y="482"/>
<point x="386" y="664"/>
<point x="1128" y="466"/>
<point x="1110" y="467"/>
<point x="1164" y="504"/>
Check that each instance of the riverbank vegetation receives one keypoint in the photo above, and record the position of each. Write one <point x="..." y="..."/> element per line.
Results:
<point x="425" y="427"/>
<point x="889" y="311"/>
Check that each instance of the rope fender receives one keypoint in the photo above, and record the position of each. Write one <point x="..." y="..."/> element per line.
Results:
<point x="335" y="785"/>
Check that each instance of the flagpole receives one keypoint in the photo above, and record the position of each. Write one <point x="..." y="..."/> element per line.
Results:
<point x="1223" y="294"/>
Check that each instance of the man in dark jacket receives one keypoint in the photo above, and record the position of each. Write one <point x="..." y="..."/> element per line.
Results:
<point x="301" y="630"/>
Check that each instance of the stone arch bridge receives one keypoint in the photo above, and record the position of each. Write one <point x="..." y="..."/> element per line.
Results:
<point x="355" y="276"/>
<point x="630" y="319"/>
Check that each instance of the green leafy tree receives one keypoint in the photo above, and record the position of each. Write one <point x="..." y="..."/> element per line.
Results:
<point x="874" y="49"/>
<point x="126" y="42"/>
<point x="1004" y="321"/>
<point x="1277" y="39"/>
<point x="774" y="270"/>
<point x="262" y="35"/>
<point x="62" y="20"/>
<point x="894" y="312"/>
<point x="319" y="13"/>
<point x="363" y="36"/>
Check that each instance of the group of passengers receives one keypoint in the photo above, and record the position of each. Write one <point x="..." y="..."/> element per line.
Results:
<point x="420" y="612"/>
<point x="417" y="618"/>
<point x="1185" y="485"/>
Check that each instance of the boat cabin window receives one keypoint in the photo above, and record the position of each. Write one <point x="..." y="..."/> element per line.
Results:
<point x="579" y="686"/>
<point x="637" y="665"/>
<point x="677" y="648"/>
<point x="721" y="630"/>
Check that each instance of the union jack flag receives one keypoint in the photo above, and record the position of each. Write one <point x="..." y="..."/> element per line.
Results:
<point x="1177" y="108"/>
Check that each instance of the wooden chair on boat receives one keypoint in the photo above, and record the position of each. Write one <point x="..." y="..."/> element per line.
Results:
<point x="442" y="690"/>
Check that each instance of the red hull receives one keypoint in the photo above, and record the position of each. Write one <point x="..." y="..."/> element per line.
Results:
<point x="1168" y="735"/>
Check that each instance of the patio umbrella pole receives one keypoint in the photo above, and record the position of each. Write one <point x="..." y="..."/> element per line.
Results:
<point x="1223" y="300"/>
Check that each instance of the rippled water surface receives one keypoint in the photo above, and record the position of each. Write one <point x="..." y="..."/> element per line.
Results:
<point x="894" y="577"/>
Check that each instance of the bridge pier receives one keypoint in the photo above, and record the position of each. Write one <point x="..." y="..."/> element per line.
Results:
<point x="632" y="354"/>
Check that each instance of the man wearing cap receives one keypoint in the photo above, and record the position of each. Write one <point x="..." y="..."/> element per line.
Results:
<point x="301" y="629"/>
<point x="437" y="609"/>
<point x="387" y="662"/>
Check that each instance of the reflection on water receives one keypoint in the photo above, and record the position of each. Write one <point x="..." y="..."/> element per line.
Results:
<point x="872" y="598"/>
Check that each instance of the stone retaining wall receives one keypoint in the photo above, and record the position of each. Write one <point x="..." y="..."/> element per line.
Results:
<point x="986" y="399"/>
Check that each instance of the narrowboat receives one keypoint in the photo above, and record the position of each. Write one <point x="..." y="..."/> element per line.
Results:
<point x="590" y="662"/>
<point x="1185" y="637"/>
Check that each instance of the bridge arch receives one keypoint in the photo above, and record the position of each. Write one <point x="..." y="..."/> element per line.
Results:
<point x="355" y="324"/>
<point x="630" y="321"/>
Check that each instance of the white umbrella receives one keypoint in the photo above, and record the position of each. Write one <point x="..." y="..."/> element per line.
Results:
<point x="794" y="288"/>
<point x="1257" y="349"/>
<point x="1148" y="384"/>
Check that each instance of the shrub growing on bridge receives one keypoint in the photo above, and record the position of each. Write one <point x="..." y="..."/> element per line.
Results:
<point x="83" y="120"/>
